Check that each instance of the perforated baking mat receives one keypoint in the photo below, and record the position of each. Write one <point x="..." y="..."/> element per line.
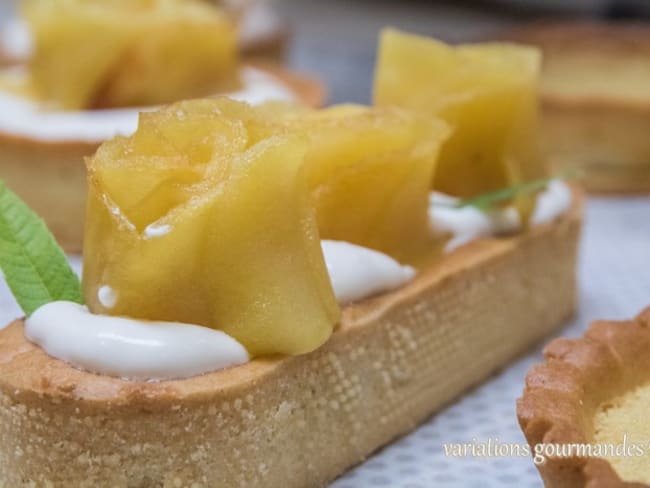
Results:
<point x="614" y="284"/>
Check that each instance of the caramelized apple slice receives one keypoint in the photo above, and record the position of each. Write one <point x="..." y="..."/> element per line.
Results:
<point x="94" y="53"/>
<point x="369" y="171"/>
<point x="487" y="92"/>
<point x="229" y="241"/>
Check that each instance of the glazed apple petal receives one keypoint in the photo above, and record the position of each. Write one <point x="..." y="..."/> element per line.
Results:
<point x="166" y="162"/>
<point x="486" y="92"/>
<point x="237" y="250"/>
<point x="369" y="171"/>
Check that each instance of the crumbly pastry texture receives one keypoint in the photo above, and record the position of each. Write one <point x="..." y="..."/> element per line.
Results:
<point x="587" y="391"/>
<point x="299" y="421"/>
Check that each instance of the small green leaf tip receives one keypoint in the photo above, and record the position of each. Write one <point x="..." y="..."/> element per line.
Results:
<point x="34" y="265"/>
<point x="488" y="201"/>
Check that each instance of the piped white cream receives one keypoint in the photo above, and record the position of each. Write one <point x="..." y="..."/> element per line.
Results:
<point x="131" y="349"/>
<point x="464" y="224"/>
<point x="552" y="202"/>
<point x="23" y="117"/>
<point x="107" y="297"/>
<point x="357" y="272"/>
<point x="156" y="230"/>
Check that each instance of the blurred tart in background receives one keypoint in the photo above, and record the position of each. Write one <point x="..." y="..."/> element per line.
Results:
<point x="261" y="32"/>
<point x="592" y="395"/>
<point x="595" y="93"/>
<point x="95" y="65"/>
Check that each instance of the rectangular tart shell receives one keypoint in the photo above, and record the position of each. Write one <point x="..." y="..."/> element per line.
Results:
<point x="301" y="421"/>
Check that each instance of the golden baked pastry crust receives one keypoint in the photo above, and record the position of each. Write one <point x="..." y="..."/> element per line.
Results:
<point x="51" y="176"/>
<point x="299" y="421"/>
<point x="563" y="394"/>
<point x="270" y="47"/>
<point x="7" y="59"/>
<point x="588" y="35"/>
<point x="604" y="133"/>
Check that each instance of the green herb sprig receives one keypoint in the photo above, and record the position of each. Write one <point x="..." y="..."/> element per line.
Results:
<point x="35" y="267"/>
<point x="488" y="201"/>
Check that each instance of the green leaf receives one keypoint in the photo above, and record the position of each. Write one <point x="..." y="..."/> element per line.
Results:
<point x="34" y="265"/>
<point x="487" y="201"/>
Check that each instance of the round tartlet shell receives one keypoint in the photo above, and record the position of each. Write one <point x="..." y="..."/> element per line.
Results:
<point x="563" y="393"/>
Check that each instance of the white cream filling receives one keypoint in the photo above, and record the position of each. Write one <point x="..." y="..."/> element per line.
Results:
<point x="153" y="231"/>
<point x="465" y="224"/>
<point x="552" y="202"/>
<point x="107" y="297"/>
<point x="144" y="350"/>
<point x="358" y="272"/>
<point x="22" y="117"/>
<point x="127" y="348"/>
